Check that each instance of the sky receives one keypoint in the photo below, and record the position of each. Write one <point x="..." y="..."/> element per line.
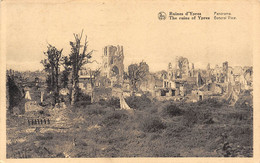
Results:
<point x="135" y="26"/>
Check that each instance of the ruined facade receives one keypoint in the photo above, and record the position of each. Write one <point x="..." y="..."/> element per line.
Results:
<point x="175" y="81"/>
<point x="112" y="64"/>
<point x="241" y="75"/>
<point x="183" y="81"/>
<point x="86" y="80"/>
<point x="103" y="84"/>
<point x="233" y="75"/>
<point x="110" y="74"/>
<point x="182" y="65"/>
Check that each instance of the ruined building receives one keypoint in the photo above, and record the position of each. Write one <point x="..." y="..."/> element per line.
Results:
<point x="112" y="64"/>
<point x="182" y="65"/>
<point x="218" y="74"/>
<point x="109" y="81"/>
<point x="224" y="81"/>
<point x="235" y="75"/>
<point x="181" y="69"/>
<point x="86" y="80"/>
<point x="242" y="76"/>
<point x="175" y="81"/>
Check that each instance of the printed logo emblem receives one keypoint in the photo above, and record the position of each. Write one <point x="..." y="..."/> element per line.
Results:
<point x="161" y="15"/>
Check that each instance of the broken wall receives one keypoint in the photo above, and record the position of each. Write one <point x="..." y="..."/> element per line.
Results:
<point x="32" y="106"/>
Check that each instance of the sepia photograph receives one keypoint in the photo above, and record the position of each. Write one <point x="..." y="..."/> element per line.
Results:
<point x="125" y="79"/>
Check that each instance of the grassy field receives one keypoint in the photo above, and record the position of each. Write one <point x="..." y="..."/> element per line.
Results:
<point x="156" y="129"/>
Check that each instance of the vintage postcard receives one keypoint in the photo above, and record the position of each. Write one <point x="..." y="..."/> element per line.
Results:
<point x="126" y="81"/>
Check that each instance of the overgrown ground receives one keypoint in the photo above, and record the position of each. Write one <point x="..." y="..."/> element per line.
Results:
<point x="156" y="129"/>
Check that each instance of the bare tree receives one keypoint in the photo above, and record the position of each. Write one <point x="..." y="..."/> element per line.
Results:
<point x="66" y="63"/>
<point x="78" y="58"/>
<point x="93" y="75"/>
<point x="136" y="73"/>
<point x="52" y="66"/>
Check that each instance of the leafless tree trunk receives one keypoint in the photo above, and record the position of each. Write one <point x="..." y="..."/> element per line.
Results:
<point x="75" y="85"/>
<point x="78" y="59"/>
<point x="51" y="65"/>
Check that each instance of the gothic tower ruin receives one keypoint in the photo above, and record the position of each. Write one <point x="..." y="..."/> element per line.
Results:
<point x="112" y="63"/>
<point x="182" y="64"/>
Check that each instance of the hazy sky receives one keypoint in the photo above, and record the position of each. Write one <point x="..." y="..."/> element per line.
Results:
<point x="29" y="26"/>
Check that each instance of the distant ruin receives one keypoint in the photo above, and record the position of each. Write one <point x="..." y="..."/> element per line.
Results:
<point x="181" y="81"/>
<point x="103" y="85"/>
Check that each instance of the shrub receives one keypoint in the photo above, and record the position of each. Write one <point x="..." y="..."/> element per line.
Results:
<point x="44" y="113"/>
<point x="114" y="118"/>
<point x="15" y="95"/>
<point x="83" y="97"/>
<point x="21" y="106"/>
<point x="138" y="103"/>
<point x="152" y="124"/>
<point x="96" y="111"/>
<point x="238" y="116"/>
<point x="102" y="102"/>
<point x="79" y="104"/>
<point x="245" y="101"/>
<point x="213" y="102"/>
<point x="155" y="136"/>
<point x="172" y="110"/>
<point x="49" y="100"/>
<point x="112" y="102"/>
<point x="46" y="136"/>
<point x="174" y="130"/>
<point x="153" y="110"/>
<point x="243" y="105"/>
<point x="192" y="117"/>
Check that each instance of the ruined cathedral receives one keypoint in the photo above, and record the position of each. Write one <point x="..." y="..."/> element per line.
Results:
<point x="112" y="64"/>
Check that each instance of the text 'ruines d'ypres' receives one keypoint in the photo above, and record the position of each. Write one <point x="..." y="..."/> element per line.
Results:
<point x="199" y="16"/>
